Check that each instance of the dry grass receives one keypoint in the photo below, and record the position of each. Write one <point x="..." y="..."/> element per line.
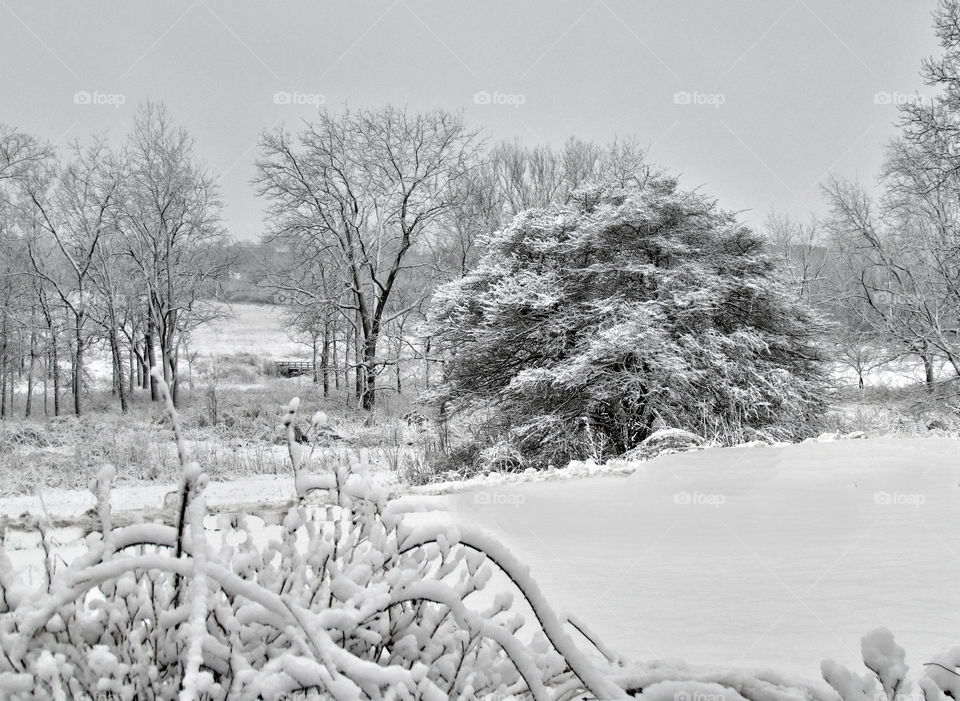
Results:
<point x="908" y="410"/>
<point x="232" y="419"/>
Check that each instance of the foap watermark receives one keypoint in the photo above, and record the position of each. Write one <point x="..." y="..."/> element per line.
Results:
<point x="880" y="694"/>
<point x="699" y="499"/>
<point x="493" y="498"/>
<point x="913" y="499"/>
<point x="298" y="99"/>
<point x="698" y="696"/>
<point x="99" y="99"/>
<point x="699" y="99"/>
<point x="485" y="97"/>
<point x="886" y="97"/>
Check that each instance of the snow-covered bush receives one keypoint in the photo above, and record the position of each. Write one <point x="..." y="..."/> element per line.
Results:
<point x="347" y="600"/>
<point x="889" y="679"/>
<point x="664" y="442"/>
<point x="591" y="325"/>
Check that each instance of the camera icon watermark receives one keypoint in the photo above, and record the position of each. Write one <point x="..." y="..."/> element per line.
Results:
<point x="299" y="99"/>
<point x="699" y="99"/>
<point x="99" y="99"/>
<point x="699" y="499"/>
<point x="493" y="498"/>
<point x="485" y="97"/>
<point x="912" y="499"/>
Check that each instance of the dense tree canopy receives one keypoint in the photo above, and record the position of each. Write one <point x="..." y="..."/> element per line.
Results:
<point x="625" y="310"/>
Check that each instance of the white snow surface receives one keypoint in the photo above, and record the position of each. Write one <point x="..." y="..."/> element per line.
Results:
<point x="758" y="557"/>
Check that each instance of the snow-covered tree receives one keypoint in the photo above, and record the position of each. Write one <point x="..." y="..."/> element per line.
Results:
<point x="621" y="312"/>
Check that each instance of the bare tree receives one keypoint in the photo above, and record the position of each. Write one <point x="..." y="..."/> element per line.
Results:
<point x="523" y="177"/>
<point x="22" y="159"/>
<point x="170" y="217"/>
<point x="365" y="188"/>
<point x="906" y="268"/>
<point x="21" y="156"/>
<point x="311" y="288"/>
<point x="804" y="254"/>
<point x="74" y="216"/>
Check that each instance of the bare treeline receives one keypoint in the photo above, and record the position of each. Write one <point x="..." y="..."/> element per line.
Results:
<point x="885" y="266"/>
<point x="116" y="252"/>
<point x="370" y="210"/>
<point x="107" y="249"/>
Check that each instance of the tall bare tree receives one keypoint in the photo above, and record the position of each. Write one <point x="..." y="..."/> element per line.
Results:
<point x="74" y="217"/>
<point x="170" y="216"/>
<point x="22" y="159"/>
<point x="366" y="188"/>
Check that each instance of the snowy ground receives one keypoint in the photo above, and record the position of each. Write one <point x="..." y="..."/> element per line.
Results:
<point x="753" y="557"/>
<point x="250" y="328"/>
<point x="749" y="557"/>
<point x="257" y="329"/>
<point x="902" y="372"/>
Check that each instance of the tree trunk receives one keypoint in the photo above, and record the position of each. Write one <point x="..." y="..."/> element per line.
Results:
<point x="4" y="369"/>
<point x="369" y="372"/>
<point x="151" y="360"/>
<point x="426" y="363"/>
<point x="118" y="365"/>
<point x="46" y="382"/>
<point x="325" y="359"/>
<point x="56" y="374"/>
<point x="132" y="383"/>
<point x="358" y="367"/>
<point x="928" y="371"/>
<point x="173" y="359"/>
<point x="14" y="376"/>
<point x="336" y="361"/>
<point x="399" y="352"/>
<point x="143" y="377"/>
<point x="78" y="370"/>
<point x="33" y="364"/>
<point x="114" y="377"/>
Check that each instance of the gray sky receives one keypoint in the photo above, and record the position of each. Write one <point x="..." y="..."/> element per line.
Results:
<point x="754" y="100"/>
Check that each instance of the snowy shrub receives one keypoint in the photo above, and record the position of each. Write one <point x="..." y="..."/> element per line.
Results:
<point x="347" y="601"/>
<point x="593" y="324"/>
<point x="665" y="442"/>
<point x="888" y="678"/>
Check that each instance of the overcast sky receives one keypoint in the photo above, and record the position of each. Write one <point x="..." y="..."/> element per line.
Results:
<point x="756" y="101"/>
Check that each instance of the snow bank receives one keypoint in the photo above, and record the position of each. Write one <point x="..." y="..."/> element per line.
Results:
<point x="768" y="557"/>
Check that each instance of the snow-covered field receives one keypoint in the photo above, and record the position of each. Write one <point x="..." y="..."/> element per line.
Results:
<point x="250" y="328"/>
<point x="751" y="557"/>
<point x="902" y="372"/>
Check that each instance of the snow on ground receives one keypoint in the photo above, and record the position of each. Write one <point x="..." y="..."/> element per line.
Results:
<point x="250" y="328"/>
<point x="901" y="372"/>
<point x="750" y="557"/>
<point x="60" y="502"/>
